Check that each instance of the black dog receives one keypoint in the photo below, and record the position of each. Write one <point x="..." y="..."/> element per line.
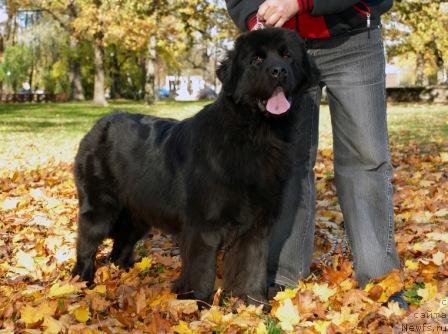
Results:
<point x="214" y="179"/>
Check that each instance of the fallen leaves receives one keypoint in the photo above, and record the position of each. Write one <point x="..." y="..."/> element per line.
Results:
<point x="64" y="289"/>
<point x="38" y="213"/>
<point x="382" y="288"/>
<point x="81" y="314"/>
<point x="288" y="315"/>
<point x="33" y="315"/>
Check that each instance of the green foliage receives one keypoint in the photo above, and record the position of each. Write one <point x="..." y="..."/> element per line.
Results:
<point x="187" y="36"/>
<point x="58" y="77"/>
<point x="412" y="296"/>
<point x="273" y="328"/>
<point x="16" y="66"/>
<point x="419" y="28"/>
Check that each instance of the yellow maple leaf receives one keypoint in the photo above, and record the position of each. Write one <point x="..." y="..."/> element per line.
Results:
<point x="368" y="286"/>
<point x="58" y="290"/>
<point x="390" y="284"/>
<point x="214" y="315"/>
<point x="321" y="326"/>
<point x="411" y="264"/>
<point x="31" y="315"/>
<point x="91" y="331"/>
<point x="438" y="236"/>
<point x="250" y="310"/>
<point x="285" y="294"/>
<point x="423" y="246"/>
<point x="392" y="309"/>
<point x="288" y="315"/>
<point x="345" y="316"/>
<point x="99" y="289"/>
<point x="347" y="284"/>
<point x="428" y="292"/>
<point x="52" y="326"/>
<point x="144" y="264"/>
<point x="180" y="306"/>
<point x="82" y="314"/>
<point x="320" y="186"/>
<point x="25" y="260"/>
<point x="261" y="329"/>
<point x="182" y="328"/>
<point x="441" y="213"/>
<point x="323" y="291"/>
<point x="160" y="299"/>
<point x="438" y="258"/>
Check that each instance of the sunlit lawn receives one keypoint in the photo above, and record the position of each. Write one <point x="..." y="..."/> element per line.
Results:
<point x="52" y="131"/>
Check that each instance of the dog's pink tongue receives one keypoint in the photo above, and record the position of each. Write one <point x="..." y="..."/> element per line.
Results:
<point x="278" y="103"/>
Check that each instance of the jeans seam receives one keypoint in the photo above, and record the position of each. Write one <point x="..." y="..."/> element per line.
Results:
<point x="388" y="177"/>
<point x="390" y="213"/>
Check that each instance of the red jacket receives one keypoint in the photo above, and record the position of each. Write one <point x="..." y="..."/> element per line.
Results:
<point x="317" y="18"/>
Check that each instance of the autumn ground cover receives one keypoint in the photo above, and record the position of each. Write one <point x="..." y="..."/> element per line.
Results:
<point x="38" y="230"/>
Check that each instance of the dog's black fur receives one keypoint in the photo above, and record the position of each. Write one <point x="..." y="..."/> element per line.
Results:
<point x="214" y="179"/>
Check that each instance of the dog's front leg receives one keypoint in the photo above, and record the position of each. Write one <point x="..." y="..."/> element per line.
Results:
<point x="245" y="265"/>
<point x="198" y="252"/>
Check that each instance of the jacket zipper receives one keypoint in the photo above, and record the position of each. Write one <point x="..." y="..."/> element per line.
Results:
<point x="366" y="12"/>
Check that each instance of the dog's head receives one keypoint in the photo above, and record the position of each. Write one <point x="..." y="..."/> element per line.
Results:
<point x="266" y="69"/>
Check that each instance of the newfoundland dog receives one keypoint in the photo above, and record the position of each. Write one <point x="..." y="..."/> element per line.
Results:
<point x="215" y="180"/>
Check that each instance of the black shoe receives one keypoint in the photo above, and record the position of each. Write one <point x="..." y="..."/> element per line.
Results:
<point x="398" y="298"/>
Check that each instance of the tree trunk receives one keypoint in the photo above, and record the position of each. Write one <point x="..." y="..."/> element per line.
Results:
<point x="99" y="97"/>
<point x="76" y="89"/>
<point x="31" y="76"/>
<point x="150" y="79"/>
<point x="420" y="75"/>
<point x="115" y="87"/>
<point x="10" y="29"/>
<point x="441" y="70"/>
<point x="443" y="76"/>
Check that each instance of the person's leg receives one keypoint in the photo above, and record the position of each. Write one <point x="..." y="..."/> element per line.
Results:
<point x="363" y="170"/>
<point x="292" y="237"/>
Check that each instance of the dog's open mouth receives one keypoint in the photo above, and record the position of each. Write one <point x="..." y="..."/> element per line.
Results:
<point x="277" y="104"/>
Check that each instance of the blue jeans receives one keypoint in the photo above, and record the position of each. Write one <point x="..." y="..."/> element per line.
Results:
<point x="353" y="70"/>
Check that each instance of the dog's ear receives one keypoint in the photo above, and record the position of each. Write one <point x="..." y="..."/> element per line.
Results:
<point x="309" y="71"/>
<point x="226" y="72"/>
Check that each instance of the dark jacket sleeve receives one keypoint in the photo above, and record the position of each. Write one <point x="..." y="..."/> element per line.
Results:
<point x="241" y="10"/>
<point x="328" y="7"/>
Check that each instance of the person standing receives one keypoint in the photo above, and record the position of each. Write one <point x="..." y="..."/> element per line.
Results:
<point x="344" y="39"/>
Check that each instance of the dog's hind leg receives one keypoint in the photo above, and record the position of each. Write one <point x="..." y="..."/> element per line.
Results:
<point x="93" y="228"/>
<point x="126" y="233"/>
<point x="245" y="266"/>
<point x="198" y="252"/>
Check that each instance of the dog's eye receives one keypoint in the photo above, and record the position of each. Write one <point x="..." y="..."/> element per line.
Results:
<point x="256" y="60"/>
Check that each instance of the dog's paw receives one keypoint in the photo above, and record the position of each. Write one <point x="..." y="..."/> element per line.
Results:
<point x="85" y="272"/>
<point x="122" y="262"/>
<point x="178" y="286"/>
<point x="185" y="291"/>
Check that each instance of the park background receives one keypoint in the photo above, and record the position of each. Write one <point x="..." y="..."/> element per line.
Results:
<point x="64" y="64"/>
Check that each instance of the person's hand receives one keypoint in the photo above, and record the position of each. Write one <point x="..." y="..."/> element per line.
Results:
<point x="274" y="13"/>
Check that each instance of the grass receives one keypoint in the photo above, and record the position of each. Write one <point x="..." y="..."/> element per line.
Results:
<point x="77" y="118"/>
<point x="53" y="130"/>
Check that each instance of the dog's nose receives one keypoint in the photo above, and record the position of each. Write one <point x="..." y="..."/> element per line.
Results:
<point x="279" y="72"/>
